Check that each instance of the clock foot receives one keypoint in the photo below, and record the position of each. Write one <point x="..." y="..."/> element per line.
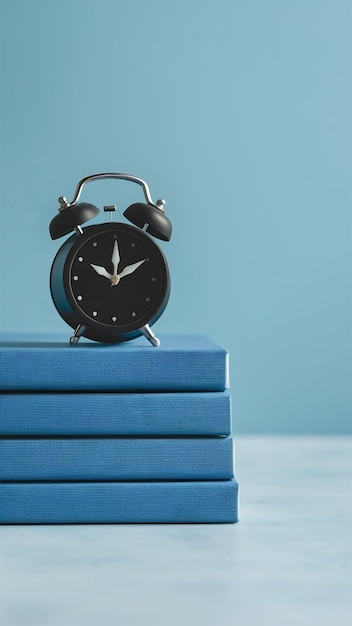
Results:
<point x="77" y="334"/>
<point x="150" y="336"/>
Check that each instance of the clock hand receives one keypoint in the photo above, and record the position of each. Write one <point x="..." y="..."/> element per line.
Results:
<point x="115" y="278"/>
<point x="115" y="259"/>
<point x="130" y="268"/>
<point x="101" y="270"/>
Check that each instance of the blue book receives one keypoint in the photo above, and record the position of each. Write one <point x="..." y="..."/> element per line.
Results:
<point x="117" y="502"/>
<point x="198" y="413"/>
<point x="181" y="363"/>
<point x="122" y="458"/>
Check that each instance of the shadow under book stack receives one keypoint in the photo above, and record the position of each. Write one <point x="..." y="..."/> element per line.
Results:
<point x="121" y="433"/>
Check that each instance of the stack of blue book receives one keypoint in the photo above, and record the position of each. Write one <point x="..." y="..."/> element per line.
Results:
<point x="120" y="433"/>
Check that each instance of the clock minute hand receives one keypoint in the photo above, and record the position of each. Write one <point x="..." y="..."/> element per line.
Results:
<point x="115" y="259"/>
<point x="101" y="270"/>
<point x="130" y="268"/>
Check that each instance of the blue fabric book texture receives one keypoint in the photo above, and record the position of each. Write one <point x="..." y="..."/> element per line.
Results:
<point x="207" y="413"/>
<point x="117" y="502"/>
<point x="181" y="363"/>
<point x="118" y="433"/>
<point x="204" y="458"/>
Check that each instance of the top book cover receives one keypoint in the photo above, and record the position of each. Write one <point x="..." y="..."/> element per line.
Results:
<point x="49" y="363"/>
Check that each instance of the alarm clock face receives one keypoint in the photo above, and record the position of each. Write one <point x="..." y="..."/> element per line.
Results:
<point x="116" y="279"/>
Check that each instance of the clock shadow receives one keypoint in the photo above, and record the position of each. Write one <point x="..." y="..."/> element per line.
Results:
<point x="23" y="343"/>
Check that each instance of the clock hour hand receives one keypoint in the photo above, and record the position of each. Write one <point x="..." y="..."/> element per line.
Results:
<point x="130" y="268"/>
<point x="101" y="271"/>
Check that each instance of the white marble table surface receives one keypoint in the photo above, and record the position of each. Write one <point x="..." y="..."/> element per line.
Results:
<point x="287" y="562"/>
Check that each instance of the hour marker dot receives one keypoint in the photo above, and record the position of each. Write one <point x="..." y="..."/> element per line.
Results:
<point x="133" y="245"/>
<point x="153" y="279"/>
<point x="114" y="318"/>
<point x="79" y="298"/>
<point x="134" y="313"/>
<point x="95" y="244"/>
<point x="95" y="313"/>
<point x="147" y="299"/>
<point x="80" y="258"/>
<point x="75" y="278"/>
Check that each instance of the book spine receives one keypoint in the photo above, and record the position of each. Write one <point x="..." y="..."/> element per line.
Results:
<point x="148" y="502"/>
<point x="207" y="413"/>
<point x="87" y="369"/>
<point x="207" y="458"/>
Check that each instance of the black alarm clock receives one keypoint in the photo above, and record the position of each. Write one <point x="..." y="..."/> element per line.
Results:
<point x="110" y="282"/>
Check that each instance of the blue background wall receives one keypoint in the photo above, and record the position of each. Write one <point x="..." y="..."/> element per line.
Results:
<point x="238" y="113"/>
